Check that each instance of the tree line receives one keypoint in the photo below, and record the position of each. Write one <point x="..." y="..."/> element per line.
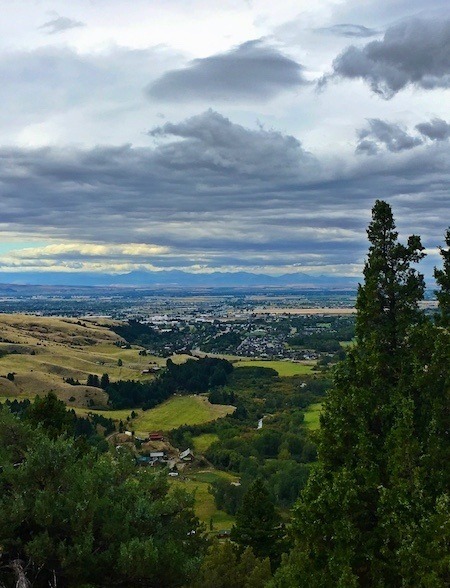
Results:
<point x="193" y="376"/>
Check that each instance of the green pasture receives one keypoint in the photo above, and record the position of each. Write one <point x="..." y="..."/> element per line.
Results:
<point x="203" y="442"/>
<point x="205" y="508"/>
<point x="312" y="416"/>
<point x="284" y="368"/>
<point x="180" y="410"/>
<point x="212" y="475"/>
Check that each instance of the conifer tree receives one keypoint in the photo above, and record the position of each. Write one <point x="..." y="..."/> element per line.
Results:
<point x="442" y="277"/>
<point x="257" y="522"/>
<point x="387" y="302"/>
<point x="104" y="381"/>
<point x="373" y="511"/>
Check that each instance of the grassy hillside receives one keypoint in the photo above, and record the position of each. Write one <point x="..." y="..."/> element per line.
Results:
<point x="42" y="351"/>
<point x="180" y="410"/>
<point x="198" y="483"/>
<point x="177" y="411"/>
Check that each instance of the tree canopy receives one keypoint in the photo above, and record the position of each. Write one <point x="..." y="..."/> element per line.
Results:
<point x="375" y="509"/>
<point x="79" y="517"/>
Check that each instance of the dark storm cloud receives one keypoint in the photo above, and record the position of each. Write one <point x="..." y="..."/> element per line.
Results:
<point x="214" y="142"/>
<point x="383" y="134"/>
<point x="212" y="190"/>
<point x="60" y="24"/>
<point x="415" y="52"/>
<point x="349" y="30"/>
<point x="253" y="70"/>
<point x="436" y="130"/>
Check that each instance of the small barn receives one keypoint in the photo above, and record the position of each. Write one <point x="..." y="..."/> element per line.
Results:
<point x="187" y="455"/>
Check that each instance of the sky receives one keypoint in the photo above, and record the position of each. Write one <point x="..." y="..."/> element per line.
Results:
<point x="241" y="135"/>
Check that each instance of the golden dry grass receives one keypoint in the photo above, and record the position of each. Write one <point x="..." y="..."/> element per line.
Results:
<point x="42" y="351"/>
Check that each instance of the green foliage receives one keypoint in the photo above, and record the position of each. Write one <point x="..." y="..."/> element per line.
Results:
<point x="51" y="415"/>
<point x="371" y="513"/>
<point x="257" y="523"/>
<point x="224" y="567"/>
<point x="223" y="343"/>
<point x="387" y="302"/>
<point x="50" y="412"/>
<point x="279" y="452"/>
<point x="442" y="277"/>
<point x="227" y="496"/>
<point x="88" y="518"/>
<point x="92" y="380"/>
<point x="193" y="376"/>
<point x="104" y="381"/>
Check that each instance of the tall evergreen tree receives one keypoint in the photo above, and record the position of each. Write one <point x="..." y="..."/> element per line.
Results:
<point x="370" y="513"/>
<point x="257" y="522"/>
<point x="104" y="381"/>
<point x="442" y="277"/>
<point x="387" y="302"/>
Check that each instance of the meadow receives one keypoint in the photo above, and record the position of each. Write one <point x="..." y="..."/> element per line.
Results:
<point x="177" y="411"/>
<point x="284" y="368"/>
<point x="312" y="416"/>
<point x="203" y="442"/>
<point x="198" y="483"/>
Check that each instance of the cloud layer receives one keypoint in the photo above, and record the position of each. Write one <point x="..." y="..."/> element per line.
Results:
<point x="186" y="135"/>
<point x="380" y="134"/>
<point x="252" y="70"/>
<point x="349" y="30"/>
<point x="215" y="194"/>
<point x="415" y="52"/>
<point x="59" y="24"/>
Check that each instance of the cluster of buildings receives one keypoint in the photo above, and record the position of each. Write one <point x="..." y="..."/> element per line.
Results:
<point x="267" y="347"/>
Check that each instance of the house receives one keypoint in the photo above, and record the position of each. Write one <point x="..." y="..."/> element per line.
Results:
<point x="187" y="455"/>
<point x="156" y="437"/>
<point x="158" y="455"/>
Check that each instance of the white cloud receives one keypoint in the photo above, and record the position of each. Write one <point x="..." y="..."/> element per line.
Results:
<point x="266" y="178"/>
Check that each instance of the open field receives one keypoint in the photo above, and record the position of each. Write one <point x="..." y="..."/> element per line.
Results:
<point x="180" y="410"/>
<point x="177" y="411"/>
<point x="227" y="356"/>
<point x="42" y="351"/>
<point x="203" y="442"/>
<point x="115" y="415"/>
<point x="205" y="508"/>
<point x="312" y="416"/>
<point x="284" y="368"/>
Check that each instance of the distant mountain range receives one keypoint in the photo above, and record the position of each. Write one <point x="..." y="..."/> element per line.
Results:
<point x="178" y="279"/>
